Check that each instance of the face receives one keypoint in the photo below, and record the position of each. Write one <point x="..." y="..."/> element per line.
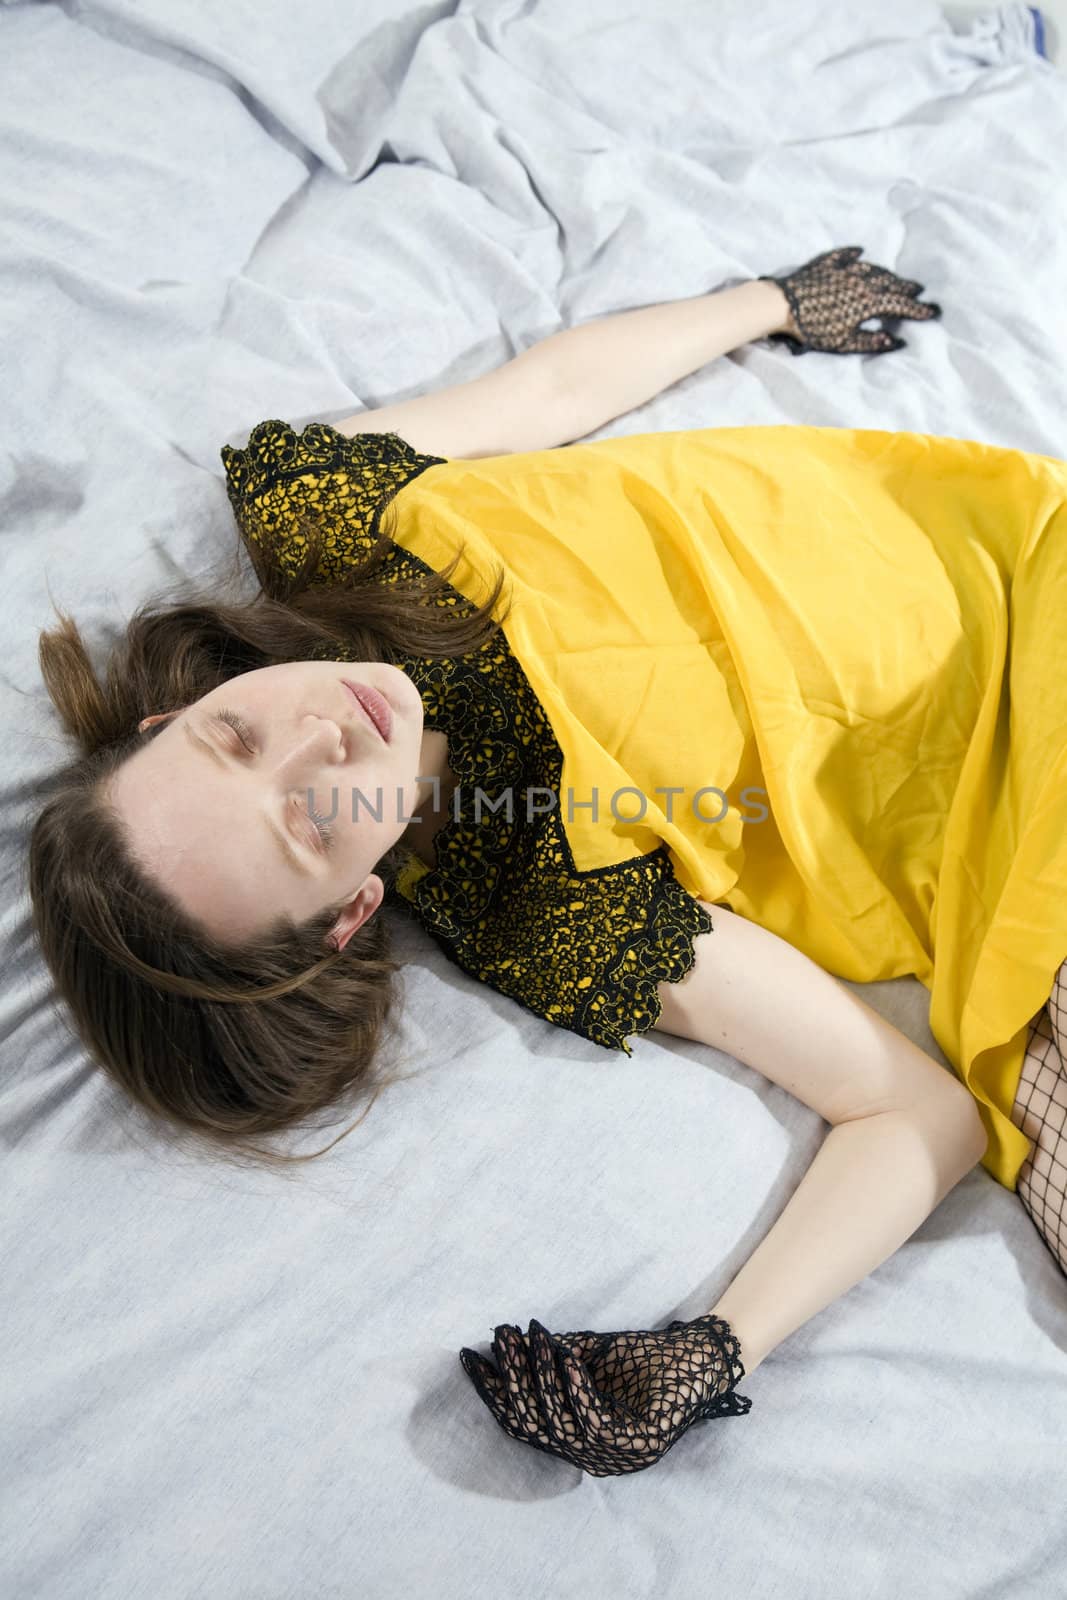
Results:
<point x="287" y="812"/>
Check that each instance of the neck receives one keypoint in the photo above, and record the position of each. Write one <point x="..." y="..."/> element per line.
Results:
<point x="433" y="763"/>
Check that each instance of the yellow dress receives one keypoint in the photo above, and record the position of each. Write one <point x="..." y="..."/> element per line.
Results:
<point x="817" y="673"/>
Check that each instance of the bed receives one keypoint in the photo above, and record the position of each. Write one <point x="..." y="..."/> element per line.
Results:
<point x="246" y="1386"/>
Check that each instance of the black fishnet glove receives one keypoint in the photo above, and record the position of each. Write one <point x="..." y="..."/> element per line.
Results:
<point x="609" y="1402"/>
<point x="835" y="292"/>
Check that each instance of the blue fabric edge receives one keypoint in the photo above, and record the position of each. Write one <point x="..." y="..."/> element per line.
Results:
<point x="1039" y="31"/>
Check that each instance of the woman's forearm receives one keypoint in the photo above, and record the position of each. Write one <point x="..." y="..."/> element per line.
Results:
<point x="577" y="380"/>
<point x="904" y="1129"/>
<point x="871" y="1185"/>
<point x="613" y="364"/>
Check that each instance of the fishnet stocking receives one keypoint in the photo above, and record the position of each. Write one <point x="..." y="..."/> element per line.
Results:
<point x="610" y="1403"/>
<point x="1040" y="1111"/>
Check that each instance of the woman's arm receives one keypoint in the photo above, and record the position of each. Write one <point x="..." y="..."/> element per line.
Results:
<point x="904" y="1130"/>
<point x="614" y="364"/>
<point x="575" y="381"/>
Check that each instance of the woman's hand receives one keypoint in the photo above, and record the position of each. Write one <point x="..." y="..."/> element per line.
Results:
<point x="834" y="292"/>
<point x="609" y="1403"/>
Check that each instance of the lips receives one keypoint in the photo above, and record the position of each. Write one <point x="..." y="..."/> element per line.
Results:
<point x="374" y="704"/>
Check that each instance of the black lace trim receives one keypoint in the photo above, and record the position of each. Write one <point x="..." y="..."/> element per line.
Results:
<point x="344" y="483"/>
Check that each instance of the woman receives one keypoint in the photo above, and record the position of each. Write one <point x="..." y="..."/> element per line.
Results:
<point x="741" y="729"/>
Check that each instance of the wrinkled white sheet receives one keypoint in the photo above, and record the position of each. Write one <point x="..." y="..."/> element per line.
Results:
<point x="248" y="1387"/>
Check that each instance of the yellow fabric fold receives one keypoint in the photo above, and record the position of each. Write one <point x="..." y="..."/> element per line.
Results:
<point x="857" y="637"/>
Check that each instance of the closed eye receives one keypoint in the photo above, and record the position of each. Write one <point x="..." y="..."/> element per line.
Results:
<point x="244" y="733"/>
<point x="240" y="727"/>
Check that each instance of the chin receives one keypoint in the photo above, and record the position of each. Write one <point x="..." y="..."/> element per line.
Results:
<point x="403" y="687"/>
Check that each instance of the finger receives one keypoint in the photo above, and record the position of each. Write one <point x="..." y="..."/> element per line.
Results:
<point x="562" y="1422"/>
<point x="913" y="289"/>
<point x="493" y="1392"/>
<point x="596" y="1415"/>
<point x="490" y="1388"/>
<point x="575" y="1351"/>
<point x="484" y="1377"/>
<point x="486" y="1380"/>
<point x="609" y="1427"/>
<point x="901" y="305"/>
<point x="513" y="1357"/>
<point x="578" y="1350"/>
<point x="584" y="1345"/>
<point x="600" y="1413"/>
<point x="525" y="1397"/>
<point x="905" y="291"/>
<point x="873" y="341"/>
<point x="842" y="256"/>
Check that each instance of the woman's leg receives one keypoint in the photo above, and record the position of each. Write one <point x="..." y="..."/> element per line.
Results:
<point x="1040" y="1111"/>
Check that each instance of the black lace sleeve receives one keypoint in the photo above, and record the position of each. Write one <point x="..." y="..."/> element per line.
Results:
<point x="586" y="951"/>
<point x="281" y="477"/>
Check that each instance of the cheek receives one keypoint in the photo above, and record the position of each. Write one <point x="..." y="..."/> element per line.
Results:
<point x="386" y="800"/>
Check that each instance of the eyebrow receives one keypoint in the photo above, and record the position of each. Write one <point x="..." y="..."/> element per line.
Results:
<point x="287" y="848"/>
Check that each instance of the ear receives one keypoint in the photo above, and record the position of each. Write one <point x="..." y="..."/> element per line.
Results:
<point x="160" y="716"/>
<point x="360" y="908"/>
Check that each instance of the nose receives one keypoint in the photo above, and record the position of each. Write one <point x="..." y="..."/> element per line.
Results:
<point x="319" y="740"/>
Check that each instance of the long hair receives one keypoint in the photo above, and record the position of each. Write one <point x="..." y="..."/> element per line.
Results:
<point x="226" y="1042"/>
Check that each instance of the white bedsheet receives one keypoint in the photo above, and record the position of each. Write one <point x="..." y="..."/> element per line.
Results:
<point x="248" y="1387"/>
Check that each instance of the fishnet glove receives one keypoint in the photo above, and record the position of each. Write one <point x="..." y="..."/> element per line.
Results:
<point x="835" y="292"/>
<point x="609" y="1403"/>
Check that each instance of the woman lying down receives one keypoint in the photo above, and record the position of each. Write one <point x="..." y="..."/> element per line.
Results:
<point x="666" y="731"/>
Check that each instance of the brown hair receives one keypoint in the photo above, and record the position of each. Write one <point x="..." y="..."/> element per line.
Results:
<point x="221" y="1041"/>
